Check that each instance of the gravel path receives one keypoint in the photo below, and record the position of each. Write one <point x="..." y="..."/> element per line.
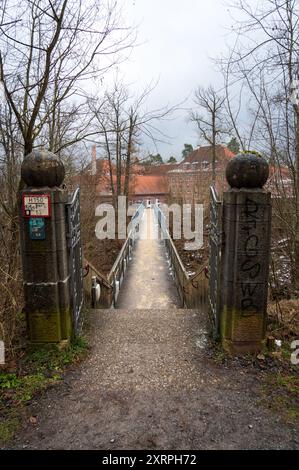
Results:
<point x="148" y="383"/>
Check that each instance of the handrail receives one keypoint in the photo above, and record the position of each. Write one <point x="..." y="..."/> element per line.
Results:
<point x="125" y="245"/>
<point x="214" y="194"/>
<point x="74" y="196"/>
<point x="216" y="240"/>
<point x="105" y="288"/>
<point x="168" y="237"/>
<point x="101" y="276"/>
<point x="119" y="258"/>
<point x="191" y="289"/>
<point x="179" y="258"/>
<point x="116" y="275"/>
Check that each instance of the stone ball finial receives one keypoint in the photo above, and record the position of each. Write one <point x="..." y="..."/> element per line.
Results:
<point x="42" y="168"/>
<point x="247" y="170"/>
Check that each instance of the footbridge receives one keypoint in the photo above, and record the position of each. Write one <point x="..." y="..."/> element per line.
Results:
<point x="148" y="272"/>
<point x="149" y="382"/>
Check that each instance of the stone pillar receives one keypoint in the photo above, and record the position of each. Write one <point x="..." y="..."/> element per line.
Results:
<point x="245" y="255"/>
<point x="44" y="249"/>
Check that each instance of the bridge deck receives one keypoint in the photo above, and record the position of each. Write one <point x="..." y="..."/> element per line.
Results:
<point x="148" y="282"/>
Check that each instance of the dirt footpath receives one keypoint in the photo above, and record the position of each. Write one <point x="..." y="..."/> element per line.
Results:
<point x="149" y="384"/>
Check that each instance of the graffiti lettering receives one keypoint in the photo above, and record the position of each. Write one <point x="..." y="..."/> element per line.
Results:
<point x="250" y="250"/>
<point x="251" y="244"/>
<point x="251" y="225"/>
<point x="248" y="304"/>
<point x="252" y="267"/>
<point x="251" y="209"/>
<point x="248" y="289"/>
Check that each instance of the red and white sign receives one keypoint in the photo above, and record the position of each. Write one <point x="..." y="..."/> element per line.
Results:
<point x="36" y="205"/>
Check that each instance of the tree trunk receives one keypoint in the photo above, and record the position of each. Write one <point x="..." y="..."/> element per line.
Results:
<point x="28" y="146"/>
<point x="296" y="238"/>
<point x="214" y="149"/>
<point x="128" y="161"/>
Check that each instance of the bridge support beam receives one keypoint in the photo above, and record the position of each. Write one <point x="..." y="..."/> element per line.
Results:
<point x="44" y="250"/>
<point x="245" y="255"/>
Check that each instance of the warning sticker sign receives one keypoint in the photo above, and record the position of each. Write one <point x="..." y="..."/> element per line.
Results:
<point x="36" y="205"/>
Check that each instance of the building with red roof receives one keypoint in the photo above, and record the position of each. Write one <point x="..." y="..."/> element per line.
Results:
<point x="149" y="189"/>
<point x="149" y="184"/>
<point x="191" y="180"/>
<point x="187" y="181"/>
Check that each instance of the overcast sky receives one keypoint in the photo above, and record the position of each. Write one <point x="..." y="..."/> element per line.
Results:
<point x="178" y="39"/>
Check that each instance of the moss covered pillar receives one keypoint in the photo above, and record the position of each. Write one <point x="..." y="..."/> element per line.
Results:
<point x="44" y="249"/>
<point x="245" y="255"/>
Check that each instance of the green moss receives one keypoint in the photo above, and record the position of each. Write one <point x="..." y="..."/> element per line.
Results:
<point x="49" y="356"/>
<point x="50" y="327"/>
<point x="41" y="367"/>
<point x="8" y="381"/>
<point x="286" y="351"/>
<point x="281" y="394"/>
<point x="8" y="427"/>
<point x="66" y="324"/>
<point x="44" y="327"/>
<point x="289" y="382"/>
<point x="219" y="356"/>
<point x="254" y="152"/>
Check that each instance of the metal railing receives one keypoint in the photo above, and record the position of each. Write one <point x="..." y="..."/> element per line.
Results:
<point x="215" y="258"/>
<point x="96" y="287"/>
<point x="75" y="258"/>
<point x="117" y="272"/>
<point x="104" y="290"/>
<point x="193" y="290"/>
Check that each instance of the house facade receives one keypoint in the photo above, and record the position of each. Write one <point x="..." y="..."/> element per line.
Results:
<point x="187" y="181"/>
<point x="190" y="181"/>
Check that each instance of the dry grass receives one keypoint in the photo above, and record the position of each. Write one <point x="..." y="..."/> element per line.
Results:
<point x="283" y="318"/>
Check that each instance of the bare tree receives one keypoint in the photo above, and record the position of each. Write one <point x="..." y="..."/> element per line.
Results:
<point x="51" y="51"/>
<point x="10" y="283"/>
<point x="209" y="119"/>
<point x="48" y="48"/>
<point x="122" y="120"/>
<point x="266" y="59"/>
